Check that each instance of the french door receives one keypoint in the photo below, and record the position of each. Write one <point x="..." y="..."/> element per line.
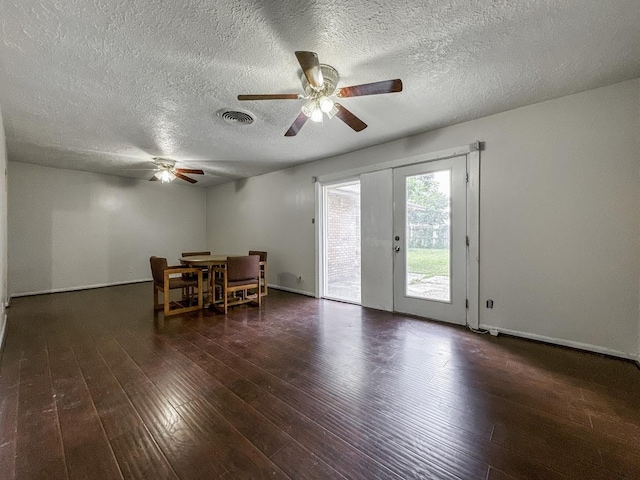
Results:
<point x="430" y="239"/>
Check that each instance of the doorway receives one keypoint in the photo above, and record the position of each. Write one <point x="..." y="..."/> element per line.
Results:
<point x="341" y="242"/>
<point x="430" y="239"/>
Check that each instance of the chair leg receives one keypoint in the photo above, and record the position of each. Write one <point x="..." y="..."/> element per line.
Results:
<point x="259" y="294"/>
<point x="167" y="299"/>
<point x="200" y="292"/>
<point x="155" y="297"/>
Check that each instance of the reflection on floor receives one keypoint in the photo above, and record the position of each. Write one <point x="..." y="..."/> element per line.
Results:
<point x="94" y="385"/>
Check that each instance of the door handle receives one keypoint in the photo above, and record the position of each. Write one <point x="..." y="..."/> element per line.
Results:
<point x="396" y="248"/>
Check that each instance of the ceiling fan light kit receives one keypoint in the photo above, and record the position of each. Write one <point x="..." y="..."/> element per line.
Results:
<point x="319" y="82"/>
<point x="166" y="171"/>
<point x="165" y="176"/>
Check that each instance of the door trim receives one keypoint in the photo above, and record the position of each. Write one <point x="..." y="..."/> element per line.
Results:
<point x="472" y="151"/>
<point x="473" y="233"/>
<point x="318" y="221"/>
<point x="401" y="162"/>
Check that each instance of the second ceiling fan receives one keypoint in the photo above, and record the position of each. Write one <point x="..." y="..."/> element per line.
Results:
<point x="320" y="82"/>
<point x="166" y="171"/>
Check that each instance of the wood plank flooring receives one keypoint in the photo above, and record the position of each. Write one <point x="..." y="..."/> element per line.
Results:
<point x="93" y="386"/>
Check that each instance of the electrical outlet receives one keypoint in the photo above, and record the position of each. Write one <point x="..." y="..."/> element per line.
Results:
<point x="493" y="331"/>
<point x="489" y="303"/>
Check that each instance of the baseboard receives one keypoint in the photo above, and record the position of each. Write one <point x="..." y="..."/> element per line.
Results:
<point x="75" y="289"/>
<point x="564" y="343"/>
<point x="113" y="284"/>
<point x="292" y="290"/>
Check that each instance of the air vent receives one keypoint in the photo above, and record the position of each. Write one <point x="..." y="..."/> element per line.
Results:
<point x="236" y="117"/>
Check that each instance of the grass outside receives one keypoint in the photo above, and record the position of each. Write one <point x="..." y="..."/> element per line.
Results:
<point x="429" y="261"/>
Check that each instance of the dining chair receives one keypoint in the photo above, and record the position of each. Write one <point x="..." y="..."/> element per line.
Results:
<point x="166" y="278"/>
<point x="263" y="270"/>
<point x="262" y="255"/>
<point x="235" y="279"/>
<point x="205" y="270"/>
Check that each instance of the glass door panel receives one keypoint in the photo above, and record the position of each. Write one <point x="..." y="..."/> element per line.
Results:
<point x="342" y="242"/>
<point x="428" y="225"/>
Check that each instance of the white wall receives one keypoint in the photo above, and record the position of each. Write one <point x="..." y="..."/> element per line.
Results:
<point x="559" y="233"/>
<point x="3" y="230"/>
<point x="70" y="229"/>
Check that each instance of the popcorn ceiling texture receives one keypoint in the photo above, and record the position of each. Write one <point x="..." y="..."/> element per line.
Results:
<point x="104" y="85"/>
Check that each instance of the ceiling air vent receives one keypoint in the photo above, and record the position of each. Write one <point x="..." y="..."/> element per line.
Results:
<point x="236" y="117"/>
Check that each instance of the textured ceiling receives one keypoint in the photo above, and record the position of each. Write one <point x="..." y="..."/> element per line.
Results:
<point x="104" y="85"/>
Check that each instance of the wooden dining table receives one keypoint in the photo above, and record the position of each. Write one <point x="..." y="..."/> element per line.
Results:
<point x="211" y="261"/>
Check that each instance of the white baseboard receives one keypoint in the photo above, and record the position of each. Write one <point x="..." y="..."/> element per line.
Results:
<point x="564" y="343"/>
<point x="74" y="289"/>
<point x="292" y="290"/>
<point x="113" y="284"/>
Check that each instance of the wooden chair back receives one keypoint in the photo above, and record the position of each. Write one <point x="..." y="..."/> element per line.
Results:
<point x="262" y="255"/>
<point x="158" y="266"/>
<point x="263" y="270"/>
<point x="243" y="268"/>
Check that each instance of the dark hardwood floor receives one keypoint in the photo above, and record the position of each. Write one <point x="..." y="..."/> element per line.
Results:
<point x="93" y="386"/>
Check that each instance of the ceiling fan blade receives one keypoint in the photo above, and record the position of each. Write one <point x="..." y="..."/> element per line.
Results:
<point x="274" y="96"/>
<point x="153" y="179"/>
<point x="184" y="177"/>
<point x="296" y="125"/>
<point x="375" y="88"/>
<point x="349" y="118"/>
<point x="194" y="171"/>
<point x="311" y="68"/>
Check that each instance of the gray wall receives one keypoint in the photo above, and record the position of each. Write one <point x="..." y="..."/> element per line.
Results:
<point x="70" y="229"/>
<point x="559" y="234"/>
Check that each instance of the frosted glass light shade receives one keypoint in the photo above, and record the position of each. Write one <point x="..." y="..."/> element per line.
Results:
<point x="165" y="176"/>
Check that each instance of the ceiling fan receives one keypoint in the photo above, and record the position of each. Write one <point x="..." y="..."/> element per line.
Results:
<point x="319" y="82"/>
<point x="166" y="171"/>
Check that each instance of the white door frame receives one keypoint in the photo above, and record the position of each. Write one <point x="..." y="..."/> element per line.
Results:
<point x="319" y="222"/>
<point x="473" y="233"/>
<point x="322" y="223"/>
<point x="472" y="151"/>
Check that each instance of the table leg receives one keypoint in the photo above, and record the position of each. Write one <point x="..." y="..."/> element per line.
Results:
<point x="211" y="285"/>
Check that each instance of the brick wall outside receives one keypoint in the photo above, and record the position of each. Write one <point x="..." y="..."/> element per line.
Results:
<point x="343" y="235"/>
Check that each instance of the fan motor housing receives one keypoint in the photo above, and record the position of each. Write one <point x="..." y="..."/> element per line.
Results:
<point x="330" y="76"/>
<point x="164" y="163"/>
